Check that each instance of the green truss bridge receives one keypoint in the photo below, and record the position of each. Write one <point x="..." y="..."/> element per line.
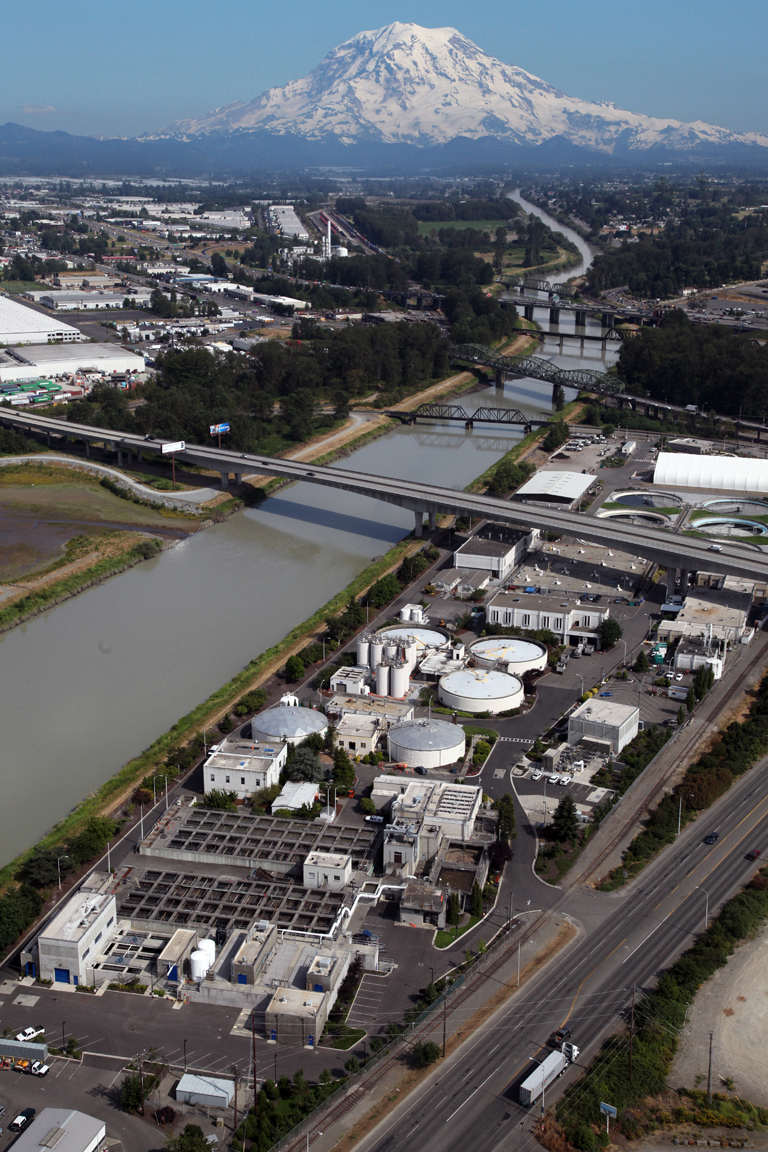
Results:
<point x="536" y="368"/>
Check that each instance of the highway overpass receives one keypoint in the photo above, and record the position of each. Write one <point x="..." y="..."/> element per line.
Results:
<point x="673" y="552"/>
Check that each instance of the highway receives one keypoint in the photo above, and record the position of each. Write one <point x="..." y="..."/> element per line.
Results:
<point x="625" y="939"/>
<point x="661" y="547"/>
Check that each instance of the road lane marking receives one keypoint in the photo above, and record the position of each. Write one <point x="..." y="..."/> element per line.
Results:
<point x="471" y="1095"/>
<point x="648" y="936"/>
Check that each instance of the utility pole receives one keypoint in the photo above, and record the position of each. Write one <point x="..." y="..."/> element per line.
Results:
<point x="631" y="1032"/>
<point x="709" y="1074"/>
<point x="445" y="1016"/>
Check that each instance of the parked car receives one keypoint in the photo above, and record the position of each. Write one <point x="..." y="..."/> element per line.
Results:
<point x="22" y="1120"/>
<point x="420" y="770"/>
<point x="565" y="781"/>
<point x="554" y="779"/>
<point x="30" y="1033"/>
<point x="374" y="819"/>
<point x="536" y="775"/>
<point x="678" y="676"/>
<point x="39" y="1069"/>
<point x="604" y="694"/>
<point x="753" y="855"/>
<point x="712" y="838"/>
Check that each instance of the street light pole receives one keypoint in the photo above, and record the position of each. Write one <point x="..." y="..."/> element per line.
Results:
<point x="58" y="867"/>
<point x="706" y="906"/>
<point x="543" y="1087"/>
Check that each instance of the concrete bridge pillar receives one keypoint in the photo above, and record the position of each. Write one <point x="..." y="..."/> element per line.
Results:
<point x="554" y="315"/>
<point x="418" y="515"/>
<point x="224" y="479"/>
<point x="528" y="311"/>
<point x="684" y="576"/>
<point x="671" y="581"/>
<point x="646" y="410"/>
<point x="432" y="521"/>
<point x="119" y="457"/>
<point x="608" y="319"/>
<point x="87" y="450"/>
<point x="48" y="439"/>
<point x="138" y="455"/>
<point x="562" y="341"/>
<point x="238" y="477"/>
<point x="499" y="377"/>
<point x="633" y="404"/>
<point x="581" y="317"/>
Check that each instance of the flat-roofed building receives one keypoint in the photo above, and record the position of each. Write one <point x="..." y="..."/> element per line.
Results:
<point x="360" y="734"/>
<point x="295" y="1016"/>
<point x="453" y="807"/>
<point x="496" y="550"/>
<point x="719" y="613"/>
<point x="571" y="620"/>
<point x="45" y="360"/>
<point x="69" y="943"/>
<point x="327" y="870"/>
<point x="295" y="794"/>
<point x="64" y="1129"/>
<point x="380" y="707"/>
<point x="244" y="767"/>
<point x="604" y="723"/>
<point x="22" y="325"/>
<point x="555" y="489"/>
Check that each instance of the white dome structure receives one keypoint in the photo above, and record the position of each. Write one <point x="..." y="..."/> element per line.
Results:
<point x="429" y="743"/>
<point x="724" y="473"/>
<point x="287" y="722"/>
<point x="480" y="690"/>
<point x="519" y="655"/>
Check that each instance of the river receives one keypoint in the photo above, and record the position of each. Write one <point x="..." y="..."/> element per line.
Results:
<point x="89" y="684"/>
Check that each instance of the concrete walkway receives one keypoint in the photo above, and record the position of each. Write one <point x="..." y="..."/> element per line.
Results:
<point x="195" y="496"/>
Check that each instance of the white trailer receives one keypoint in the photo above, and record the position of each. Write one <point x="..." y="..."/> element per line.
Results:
<point x="546" y="1073"/>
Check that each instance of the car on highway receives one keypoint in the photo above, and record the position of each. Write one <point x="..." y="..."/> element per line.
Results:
<point x="715" y="548"/>
<point x="712" y="838"/>
<point x="557" y="1038"/>
<point x="22" y="1120"/>
<point x="30" y="1033"/>
<point x="753" y="855"/>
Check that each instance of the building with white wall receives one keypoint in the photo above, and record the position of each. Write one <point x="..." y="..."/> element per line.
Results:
<point x="22" y="325"/>
<point x="64" y="1129"/>
<point x="496" y="550"/>
<point x="244" y="767"/>
<point x="46" y="360"/>
<point x="327" y="870"/>
<point x="71" y="941"/>
<point x="604" y="723"/>
<point x="571" y="620"/>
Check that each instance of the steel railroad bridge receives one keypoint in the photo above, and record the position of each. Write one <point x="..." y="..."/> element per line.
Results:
<point x="673" y="552"/>
<point x="455" y="412"/>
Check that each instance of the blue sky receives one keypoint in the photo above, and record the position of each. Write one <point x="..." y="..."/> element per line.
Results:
<point x="97" y="67"/>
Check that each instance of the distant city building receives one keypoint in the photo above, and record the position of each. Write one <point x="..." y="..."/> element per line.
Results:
<point x="22" y="325"/>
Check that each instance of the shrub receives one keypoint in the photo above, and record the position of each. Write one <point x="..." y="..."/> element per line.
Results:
<point x="424" y="1053"/>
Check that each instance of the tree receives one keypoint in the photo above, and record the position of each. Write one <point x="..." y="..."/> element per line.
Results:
<point x="304" y="765"/>
<point x="558" y="397"/>
<point x="424" y="1053"/>
<point x="565" y="821"/>
<point x="343" y="769"/>
<point x="92" y="840"/>
<point x="477" y="900"/>
<point x="352" y="1065"/>
<point x="505" y="806"/>
<point x="41" y="869"/>
<point x="219" y="266"/>
<point x="499" y="854"/>
<point x="220" y="799"/>
<point x="609" y="632"/>
<point x="130" y="1093"/>
<point x="454" y="908"/>
<point x="368" y="806"/>
<point x="690" y="701"/>
<point x="557" y="435"/>
<point x="294" y="669"/>
<point x="641" y="663"/>
<point x="190" y="1139"/>
<point x="681" y="715"/>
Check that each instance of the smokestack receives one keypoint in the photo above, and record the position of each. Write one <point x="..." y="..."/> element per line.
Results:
<point x="329" y="236"/>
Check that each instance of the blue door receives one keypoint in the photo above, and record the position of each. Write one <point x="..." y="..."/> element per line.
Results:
<point x="61" y="975"/>
<point x="31" y="968"/>
<point x="242" y="978"/>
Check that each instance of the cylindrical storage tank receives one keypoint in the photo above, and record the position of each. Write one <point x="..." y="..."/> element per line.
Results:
<point x="390" y="649"/>
<point x="198" y="965"/>
<point x="399" y="678"/>
<point x="417" y="613"/>
<point x="363" y="649"/>
<point x="405" y="613"/>
<point x="426" y="743"/>
<point x="382" y="680"/>
<point x="410" y="652"/>
<point x="376" y="651"/>
<point x="287" y="723"/>
<point x="480" y="690"/>
<point x="519" y="655"/>
<point x="209" y="948"/>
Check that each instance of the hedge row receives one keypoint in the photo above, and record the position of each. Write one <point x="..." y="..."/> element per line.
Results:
<point x="733" y="752"/>
<point x="659" y="1018"/>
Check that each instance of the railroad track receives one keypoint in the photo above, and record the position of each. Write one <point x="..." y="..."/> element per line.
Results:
<point x="646" y="802"/>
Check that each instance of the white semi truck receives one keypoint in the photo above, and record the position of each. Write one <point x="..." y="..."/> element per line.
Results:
<point x="546" y="1073"/>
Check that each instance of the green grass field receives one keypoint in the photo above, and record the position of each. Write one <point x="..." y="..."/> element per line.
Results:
<point x="15" y="287"/>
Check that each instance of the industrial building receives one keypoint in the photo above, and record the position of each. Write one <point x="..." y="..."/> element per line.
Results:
<point x="295" y="794"/>
<point x="480" y="690"/>
<point x="556" y="489"/>
<point x="68" y="945"/>
<point x="287" y="722"/>
<point x="746" y="477"/>
<point x="205" y="1091"/>
<point x="244" y="766"/>
<point x="604" y="725"/>
<point x="496" y="549"/>
<point x="284" y="219"/>
<point x="65" y="300"/>
<point x="426" y="743"/>
<point x="22" y="325"/>
<point x="64" y="1129"/>
<point x="714" y="613"/>
<point x="46" y="361"/>
<point x="572" y="620"/>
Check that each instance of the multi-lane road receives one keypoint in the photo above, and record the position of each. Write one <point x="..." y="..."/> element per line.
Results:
<point x="625" y="939"/>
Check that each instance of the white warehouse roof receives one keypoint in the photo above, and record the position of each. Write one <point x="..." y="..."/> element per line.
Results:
<point x="22" y="325"/>
<point x="724" y="473"/>
<point x="556" y="487"/>
<point x="43" y="360"/>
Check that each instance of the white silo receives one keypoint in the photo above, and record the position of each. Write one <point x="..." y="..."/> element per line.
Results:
<point x="417" y="613"/>
<point x="363" y="650"/>
<point x="390" y="649"/>
<point x="382" y="680"/>
<point x="410" y="652"/>
<point x="376" y="651"/>
<point x="198" y="965"/>
<point x="209" y="948"/>
<point x="399" y="679"/>
<point x="405" y="613"/>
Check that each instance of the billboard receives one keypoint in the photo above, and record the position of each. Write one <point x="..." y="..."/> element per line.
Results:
<point x="175" y="446"/>
<point x="217" y="429"/>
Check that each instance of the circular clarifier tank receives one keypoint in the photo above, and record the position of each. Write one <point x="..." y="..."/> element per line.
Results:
<point x="480" y="690"/>
<point x="519" y="655"/>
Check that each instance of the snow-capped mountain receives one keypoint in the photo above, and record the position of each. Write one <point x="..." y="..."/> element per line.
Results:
<point x="426" y="87"/>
